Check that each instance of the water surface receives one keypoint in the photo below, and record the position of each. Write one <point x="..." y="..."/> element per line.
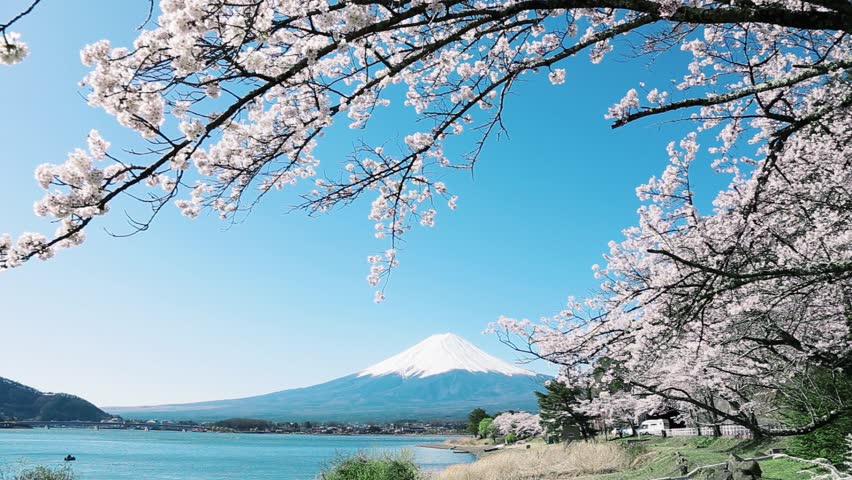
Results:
<point x="160" y="455"/>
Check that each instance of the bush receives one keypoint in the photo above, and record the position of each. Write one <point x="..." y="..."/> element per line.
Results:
<point x="487" y="429"/>
<point x="510" y="438"/>
<point x="827" y="442"/>
<point x="363" y="466"/>
<point x="45" y="473"/>
<point x="704" y="442"/>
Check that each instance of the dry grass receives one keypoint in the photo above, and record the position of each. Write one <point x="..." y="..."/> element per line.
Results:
<point x="543" y="462"/>
<point x="468" y="441"/>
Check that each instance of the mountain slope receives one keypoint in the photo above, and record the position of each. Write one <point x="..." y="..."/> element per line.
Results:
<point x="442" y="377"/>
<point x="20" y="402"/>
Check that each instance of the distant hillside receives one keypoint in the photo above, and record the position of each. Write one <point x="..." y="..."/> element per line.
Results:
<point x="20" y="402"/>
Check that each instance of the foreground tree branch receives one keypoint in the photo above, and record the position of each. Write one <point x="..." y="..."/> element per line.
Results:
<point x="12" y="49"/>
<point x="716" y="307"/>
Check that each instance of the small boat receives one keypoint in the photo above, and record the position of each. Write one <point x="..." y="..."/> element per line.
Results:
<point x="70" y="458"/>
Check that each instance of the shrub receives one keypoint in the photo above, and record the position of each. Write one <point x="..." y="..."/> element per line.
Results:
<point x="510" y="438"/>
<point x="45" y="473"/>
<point x="364" y="466"/>
<point x="827" y="442"/>
<point x="487" y="429"/>
<point x="704" y="442"/>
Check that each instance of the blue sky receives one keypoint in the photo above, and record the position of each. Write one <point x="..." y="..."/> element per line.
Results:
<point x="193" y="310"/>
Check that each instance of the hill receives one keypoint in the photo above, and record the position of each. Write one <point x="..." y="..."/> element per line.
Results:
<point x="442" y="377"/>
<point x="20" y="402"/>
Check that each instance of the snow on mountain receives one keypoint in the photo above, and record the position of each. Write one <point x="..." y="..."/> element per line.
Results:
<point x="442" y="377"/>
<point x="440" y="354"/>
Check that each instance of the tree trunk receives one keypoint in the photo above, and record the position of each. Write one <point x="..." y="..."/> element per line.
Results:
<point x="717" y="430"/>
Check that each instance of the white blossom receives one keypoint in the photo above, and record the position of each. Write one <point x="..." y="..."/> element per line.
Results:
<point x="12" y="49"/>
<point x="557" y="76"/>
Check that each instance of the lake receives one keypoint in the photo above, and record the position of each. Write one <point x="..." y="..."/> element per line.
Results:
<point x="160" y="455"/>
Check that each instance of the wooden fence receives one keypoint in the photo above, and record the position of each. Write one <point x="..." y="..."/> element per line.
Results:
<point x="736" y="431"/>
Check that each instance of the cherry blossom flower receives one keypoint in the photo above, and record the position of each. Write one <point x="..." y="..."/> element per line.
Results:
<point x="12" y="49"/>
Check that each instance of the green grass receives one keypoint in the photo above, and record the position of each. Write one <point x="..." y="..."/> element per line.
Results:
<point x="657" y="457"/>
<point x="785" y="469"/>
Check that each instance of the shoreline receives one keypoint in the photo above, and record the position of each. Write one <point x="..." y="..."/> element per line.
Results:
<point x="478" y="451"/>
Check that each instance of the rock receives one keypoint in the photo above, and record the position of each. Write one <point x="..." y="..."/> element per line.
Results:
<point x="739" y="475"/>
<point x="722" y="475"/>
<point x="750" y="467"/>
<point x="682" y="464"/>
<point x="733" y="462"/>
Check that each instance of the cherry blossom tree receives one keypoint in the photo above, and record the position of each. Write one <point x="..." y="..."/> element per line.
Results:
<point x="721" y="310"/>
<point x="694" y="306"/>
<point x="522" y="424"/>
<point x="733" y="305"/>
<point x="234" y="96"/>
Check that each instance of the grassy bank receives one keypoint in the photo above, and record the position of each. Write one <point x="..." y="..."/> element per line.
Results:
<point x="646" y="459"/>
<point x="542" y="461"/>
<point x="657" y="457"/>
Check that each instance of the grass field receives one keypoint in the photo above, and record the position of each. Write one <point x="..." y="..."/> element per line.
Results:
<point x="645" y="459"/>
<point x="656" y="457"/>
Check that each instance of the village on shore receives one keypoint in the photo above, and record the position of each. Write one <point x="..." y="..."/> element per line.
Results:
<point x="250" y="425"/>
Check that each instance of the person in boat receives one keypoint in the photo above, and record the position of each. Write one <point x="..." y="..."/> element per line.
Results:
<point x="70" y="458"/>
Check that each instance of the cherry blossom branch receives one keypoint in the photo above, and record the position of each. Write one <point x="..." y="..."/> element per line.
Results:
<point x="806" y="74"/>
<point x="24" y="13"/>
<point x="12" y="49"/>
<point x="773" y="15"/>
<point x="810" y="270"/>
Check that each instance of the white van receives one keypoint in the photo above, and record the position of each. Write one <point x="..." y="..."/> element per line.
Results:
<point x="653" y="427"/>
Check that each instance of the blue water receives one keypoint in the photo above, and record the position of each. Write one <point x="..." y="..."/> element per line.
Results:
<point x="158" y="455"/>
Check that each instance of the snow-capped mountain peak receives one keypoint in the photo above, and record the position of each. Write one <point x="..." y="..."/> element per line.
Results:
<point x="440" y="354"/>
<point x="461" y="377"/>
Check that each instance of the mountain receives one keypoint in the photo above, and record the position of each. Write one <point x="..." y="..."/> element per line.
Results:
<point x="20" y="402"/>
<point x="442" y="377"/>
